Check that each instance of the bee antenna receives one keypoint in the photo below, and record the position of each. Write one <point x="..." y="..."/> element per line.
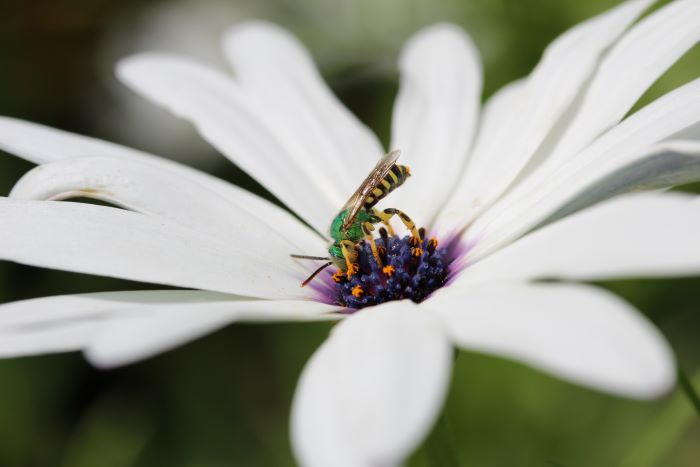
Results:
<point x="315" y="273"/>
<point x="318" y="258"/>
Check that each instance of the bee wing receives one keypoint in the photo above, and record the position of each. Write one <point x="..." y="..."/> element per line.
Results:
<point x="357" y="200"/>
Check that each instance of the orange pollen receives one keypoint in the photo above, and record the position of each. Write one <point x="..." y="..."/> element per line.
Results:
<point x="357" y="291"/>
<point x="352" y="270"/>
<point x="417" y="252"/>
<point x="433" y="243"/>
<point x="408" y="170"/>
<point x="388" y="270"/>
<point x="338" y="276"/>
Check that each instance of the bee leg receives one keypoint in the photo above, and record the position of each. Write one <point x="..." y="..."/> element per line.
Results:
<point x="384" y="219"/>
<point x="385" y="242"/>
<point x="410" y="225"/>
<point x="350" y="255"/>
<point x="389" y="228"/>
<point x="367" y="229"/>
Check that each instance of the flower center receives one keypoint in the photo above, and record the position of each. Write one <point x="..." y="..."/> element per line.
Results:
<point x="409" y="269"/>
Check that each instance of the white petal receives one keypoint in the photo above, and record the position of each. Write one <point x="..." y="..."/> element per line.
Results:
<point x="116" y="328"/>
<point x="275" y="68"/>
<point x="118" y="243"/>
<point x="667" y="164"/>
<point x="546" y="95"/>
<point x="435" y="114"/>
<point x="640" y="235"/>
<point x="371" y="393"/>
<point x="231" y="122"/>
<point x="39" y="341"/>
<point x="63" y="309"/>
<point x="142" y="186"/>
<point x="576" y="332"/>
<point x="496" y="110"/>
<point x="68" y="322"/>
<point x="41" y="144"/>
<point x="135" y="337"/>
<point x="630" y="142"/>
<point x="632" y="65"/>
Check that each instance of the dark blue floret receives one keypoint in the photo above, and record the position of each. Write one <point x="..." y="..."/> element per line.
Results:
<point x="418" y="270"/>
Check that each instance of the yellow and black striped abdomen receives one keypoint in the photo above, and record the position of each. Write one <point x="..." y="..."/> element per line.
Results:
<point x="391" y="181"/>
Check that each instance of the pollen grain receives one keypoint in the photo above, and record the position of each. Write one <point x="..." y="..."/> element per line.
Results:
<point x="338" y="276"/>
<point x="352" y="269"/>
<point x="357" y="291"/>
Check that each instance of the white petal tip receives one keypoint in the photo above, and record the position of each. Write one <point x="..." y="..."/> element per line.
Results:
<point x="253" y="28"/>
<point x="108" y="361"/>
<point x="134" y="67"/>
<point x="259" y="37"/>
<point x="656" y="381"/>
<point x="427" y="39"/>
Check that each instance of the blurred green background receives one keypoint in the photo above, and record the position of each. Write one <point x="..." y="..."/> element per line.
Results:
<point x="224" y="400"/>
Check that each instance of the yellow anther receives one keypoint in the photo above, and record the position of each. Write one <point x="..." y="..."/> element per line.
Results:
<point x="357" y="291"/>
<point x="433" y="243"/>
<point x="338" y="276"/>
<point x="417" y="252"/>
<point x="352" y="270"/>
<point x="388" y="270"/>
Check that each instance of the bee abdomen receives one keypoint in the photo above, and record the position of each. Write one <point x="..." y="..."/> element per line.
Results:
<point x="391" y="181"/>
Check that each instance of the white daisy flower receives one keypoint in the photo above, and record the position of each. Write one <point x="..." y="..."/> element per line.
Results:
<point x="503" y="194"/>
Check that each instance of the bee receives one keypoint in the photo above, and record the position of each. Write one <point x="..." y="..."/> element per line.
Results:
<point x="357" y="219"/>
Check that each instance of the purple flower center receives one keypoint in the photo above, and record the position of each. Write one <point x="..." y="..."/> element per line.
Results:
<point x="409" y="269"/>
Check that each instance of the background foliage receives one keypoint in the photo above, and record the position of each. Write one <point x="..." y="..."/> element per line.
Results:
<point x="224" y="400"/>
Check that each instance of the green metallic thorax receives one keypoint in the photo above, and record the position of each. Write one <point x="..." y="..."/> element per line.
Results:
<point x="353" y="233"/>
